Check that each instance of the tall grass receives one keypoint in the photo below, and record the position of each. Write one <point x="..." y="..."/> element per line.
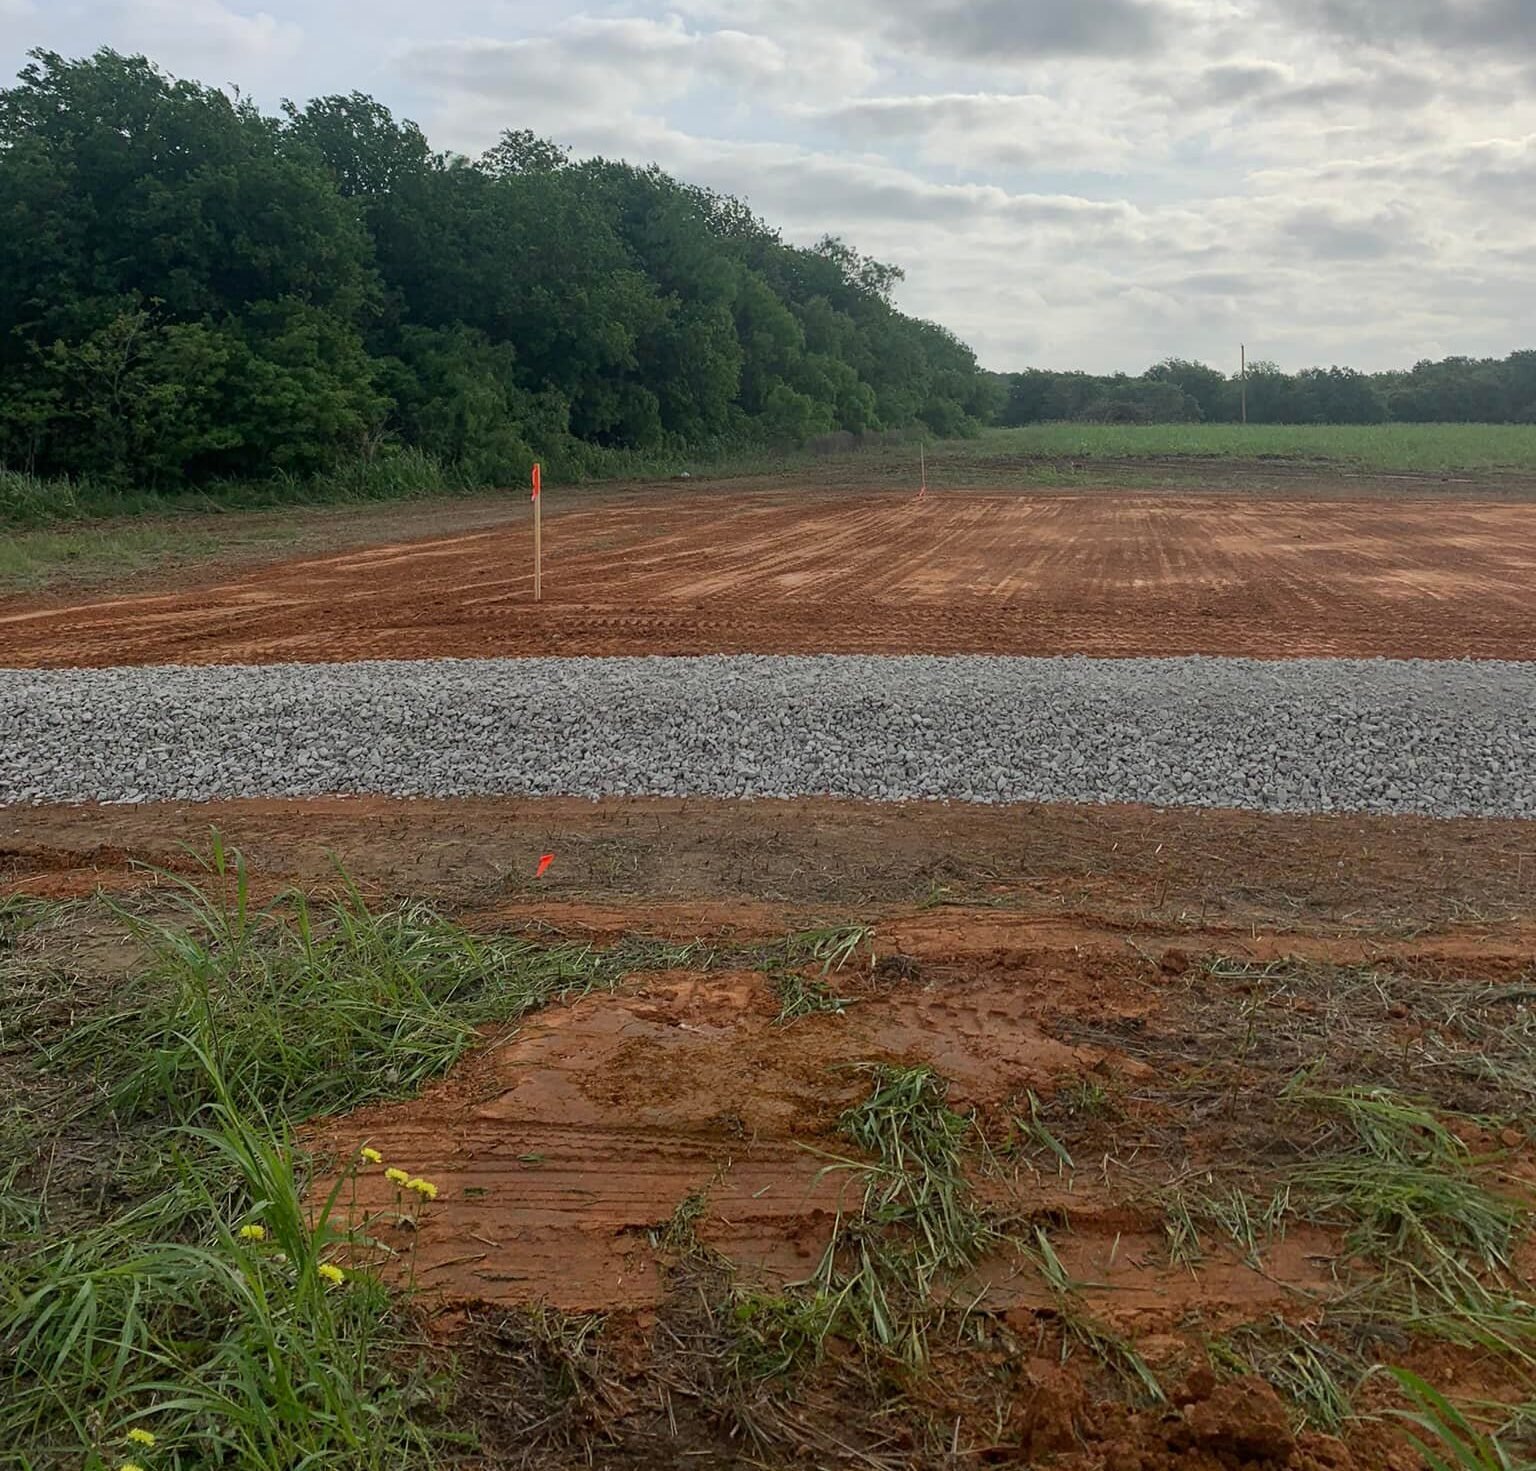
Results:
<point x="1403" y="1182"/>
<point x="306" y="1008"/>
<point x="226" y="1342"/>
<point x="917" y="1223"/>
<point x="30" y="501"/>
<point x="1443" y="1436"/>
<point x="577" y="462"/>
<point x="33" y="501"/>
<point x="220" y="1311"/>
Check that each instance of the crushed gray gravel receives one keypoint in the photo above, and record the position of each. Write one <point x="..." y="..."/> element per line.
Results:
<point x="1312" y="735"/>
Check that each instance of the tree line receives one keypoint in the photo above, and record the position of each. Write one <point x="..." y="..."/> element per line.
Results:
<point x="1451" y="390"/>
<point x="192" y="290"/>
<point x="195" y="292"/>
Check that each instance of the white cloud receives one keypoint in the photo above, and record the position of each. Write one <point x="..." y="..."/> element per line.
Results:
<point x="209" y="40"/>
<point x="977" y="130"/>
<point x="1093" y="183"/>
<point x="1497" y="25"/>
<point x="590" y="68"/>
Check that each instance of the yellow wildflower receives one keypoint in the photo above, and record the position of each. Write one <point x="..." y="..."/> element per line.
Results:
<point x="371" y="1155"/>
<point x="424" y="1188"/>
<point x="331" y="1272"/>
<point x="130" y="1466"/>
<point x="253" y="1233"/>
<point x="141" y="1437"/>
<point x="398" y="1177"/>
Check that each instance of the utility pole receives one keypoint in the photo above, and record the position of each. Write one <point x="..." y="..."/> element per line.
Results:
<point x="1244" y="351"/>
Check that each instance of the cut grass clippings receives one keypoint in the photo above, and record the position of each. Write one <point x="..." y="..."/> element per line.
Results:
<point x="833" y="949"/>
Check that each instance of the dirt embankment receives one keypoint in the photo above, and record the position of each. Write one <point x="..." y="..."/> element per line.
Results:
<point x="712" y="861"/>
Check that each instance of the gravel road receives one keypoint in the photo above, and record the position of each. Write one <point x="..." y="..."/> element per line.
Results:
<point x="1311" y="735"/>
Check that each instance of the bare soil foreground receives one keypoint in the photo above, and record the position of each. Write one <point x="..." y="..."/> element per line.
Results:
<point x="923" y="1136"/>
<point x="1108" y="574"/>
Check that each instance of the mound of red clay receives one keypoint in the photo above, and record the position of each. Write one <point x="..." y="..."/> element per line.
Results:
<point x="562" y="1152"/>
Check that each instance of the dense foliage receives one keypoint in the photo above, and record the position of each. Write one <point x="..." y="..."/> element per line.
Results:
<point x="1456" y="390"/>
<point x="192" y="290"/>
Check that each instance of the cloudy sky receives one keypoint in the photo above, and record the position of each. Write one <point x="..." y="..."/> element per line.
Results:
<point x="1068" y="183"/>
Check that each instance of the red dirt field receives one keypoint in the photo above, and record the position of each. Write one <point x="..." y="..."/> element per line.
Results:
<point x="566" y="1142"/>
<point x="1107" y="573"/>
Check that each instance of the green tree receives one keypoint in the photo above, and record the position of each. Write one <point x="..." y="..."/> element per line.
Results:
<point x="1209" y="388"/>
<point x="196" y="290"/>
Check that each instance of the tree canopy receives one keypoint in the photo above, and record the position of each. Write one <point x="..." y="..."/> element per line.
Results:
<point x="196" y="290"/>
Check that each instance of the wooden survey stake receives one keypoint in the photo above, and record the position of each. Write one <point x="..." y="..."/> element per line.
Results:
<point x="538" y="534"/>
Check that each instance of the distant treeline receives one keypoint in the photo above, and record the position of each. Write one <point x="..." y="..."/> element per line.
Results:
<point x="191" y="290"/>
<point x="1453" y="390"/>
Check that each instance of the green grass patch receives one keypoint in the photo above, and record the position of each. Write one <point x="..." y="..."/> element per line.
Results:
<point x="64" y="531"/>
<point x="1028" y="1131"/>
<point x="192" y="1290"/>
<point x="1429" y="1240"/>
<point x="30" y="560"/>
<point x="1227" y="1212"/>
<point x="917" y="1224"/>
<point x="222" y="1327"/>
<point x="1318" y="1379"/>
<point x="1082" y="1328"/>
<point x="832" y="949"/>
<point x="29" y="500"/>
<point x="778" y="1335"/>
<point x="307" y="1008"/>
<point x="1400" y="1180"/>
<point x="1443" y="1435"/>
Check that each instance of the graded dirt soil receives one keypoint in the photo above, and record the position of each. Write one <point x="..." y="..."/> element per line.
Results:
<point x="680" y="572"/>
<point x="716" y="862"/>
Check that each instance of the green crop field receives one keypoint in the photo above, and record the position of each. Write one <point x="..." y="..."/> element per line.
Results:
<point x="1401" y="448"/>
